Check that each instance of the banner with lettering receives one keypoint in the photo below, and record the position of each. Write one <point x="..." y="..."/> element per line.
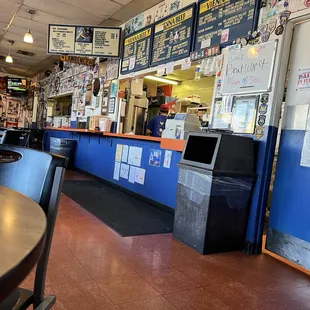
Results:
<point x="84" y="40"/>
<point x="173" y="36"/>
<point x="223" y="21"/>
<point x="137" y="51"/>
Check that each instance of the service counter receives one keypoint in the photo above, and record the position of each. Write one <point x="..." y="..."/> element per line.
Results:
<point x="96" y="154"/>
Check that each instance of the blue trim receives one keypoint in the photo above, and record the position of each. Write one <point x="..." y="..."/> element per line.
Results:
<point x="265" y="157"/>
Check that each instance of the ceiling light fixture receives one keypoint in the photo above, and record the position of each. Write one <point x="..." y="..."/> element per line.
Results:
<point x="9" y="58"/>
<point x="28" y="36"/>
<point x="158" y="79"/>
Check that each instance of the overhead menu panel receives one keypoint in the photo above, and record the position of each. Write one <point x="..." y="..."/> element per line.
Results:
<point x="136" y="52"/>
<point x="223" y="21"/>
<point x="84" y="40"/>
<point x="173" y="36"/>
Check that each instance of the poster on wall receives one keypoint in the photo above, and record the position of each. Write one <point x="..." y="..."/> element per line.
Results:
<point x="136" y="51"/>
<point x="224" y="21"/>
<point x="173" y="36"/>
<point x="84" y="40"/>
<point x="155" y="158"/>
<point x="303" y="81"/>
<point x="12" y="108"/>
<point x="221" y="118"/>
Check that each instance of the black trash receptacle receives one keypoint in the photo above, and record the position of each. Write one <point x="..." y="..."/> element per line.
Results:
<point x="216" y="177"/>
<point x="63" y="147"/>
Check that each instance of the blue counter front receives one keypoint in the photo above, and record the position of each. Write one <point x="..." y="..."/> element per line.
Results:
<point x="96" y="155"/>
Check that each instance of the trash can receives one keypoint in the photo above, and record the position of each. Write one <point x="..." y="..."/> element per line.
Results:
<point x="63" y="147"/>
<point x="216" y="177"/>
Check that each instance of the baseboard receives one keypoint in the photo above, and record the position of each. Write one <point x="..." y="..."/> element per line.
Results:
<point x="149" y="201"/>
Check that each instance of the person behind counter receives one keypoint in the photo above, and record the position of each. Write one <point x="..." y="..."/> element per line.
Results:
<point x="157" y="124"/>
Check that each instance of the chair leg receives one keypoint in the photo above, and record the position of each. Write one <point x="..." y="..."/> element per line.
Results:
<point x="47" y="303"/>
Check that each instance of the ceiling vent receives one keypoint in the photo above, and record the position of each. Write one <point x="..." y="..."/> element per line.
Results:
<point x="25" y="53"/>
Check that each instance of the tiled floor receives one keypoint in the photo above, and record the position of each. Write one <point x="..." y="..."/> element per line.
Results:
<point x="92" y="267"/>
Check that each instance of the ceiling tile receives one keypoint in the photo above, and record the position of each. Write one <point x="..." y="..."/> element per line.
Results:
<point x="8" y="6"/>
<point x="95" y="7"/>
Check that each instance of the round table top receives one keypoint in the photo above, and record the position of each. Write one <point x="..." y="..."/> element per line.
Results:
<point x="22" y="236"/>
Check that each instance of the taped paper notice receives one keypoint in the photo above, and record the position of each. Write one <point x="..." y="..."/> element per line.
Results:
<point x="186" y="63"/>
<point x="167" y="160"/>
<point x="124" y="173"/>
<point x="132" y="174"/>
<point x="116" y="171"/>
<point x="140" y="176"/>
<point x="125" y="153"/>
<point x="118" y="153"/>
<point x="135" y="156"/>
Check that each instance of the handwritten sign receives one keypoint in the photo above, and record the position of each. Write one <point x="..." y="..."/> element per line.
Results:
<point x="223" y="21"/>
<point x="78" y="60"/>
<point x="249" y="69"/>
<point x="137" y="47"/>
<point x="173" y="37"/>
<point x="84" y="40"/>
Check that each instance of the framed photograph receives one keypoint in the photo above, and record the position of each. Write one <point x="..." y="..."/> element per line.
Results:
<point x="244" y="114"/>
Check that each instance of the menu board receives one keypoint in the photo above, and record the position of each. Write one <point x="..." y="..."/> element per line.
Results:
<point x="136" y="52"/>
<point x="223" y="21"/>
<point x="173" y="36"/>
<point x="84" y="40"/>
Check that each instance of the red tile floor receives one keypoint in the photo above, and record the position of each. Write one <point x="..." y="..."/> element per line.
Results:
<point x="92" y="267"/>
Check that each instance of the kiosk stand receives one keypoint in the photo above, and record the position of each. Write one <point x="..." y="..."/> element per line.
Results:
<point x="216" y="177"/>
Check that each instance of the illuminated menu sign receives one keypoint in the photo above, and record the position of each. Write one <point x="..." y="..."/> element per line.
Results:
<point x="173" y="36"/>
<point x="84" y="40"/>
<point x="136" y="52"/>
<point x="223" y="21"/>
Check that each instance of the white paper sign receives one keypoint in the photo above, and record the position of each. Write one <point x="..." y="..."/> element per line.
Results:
<point x="132" y="174"/>
<point x="125" y="153"/>
<point x="205" y="43"/>
<point x="118" y="153"/>
<point x="167" y="160"/>
<point x="169" y="67"/>
<point x="135" y="156"/>
<point x="186" y="63"/>
<point x="124" y="173"/>
<point x="161" y="70"/>
<point x="140" y="176"/>
<point x="303" y="81"/>
<point x="116" y="171"/>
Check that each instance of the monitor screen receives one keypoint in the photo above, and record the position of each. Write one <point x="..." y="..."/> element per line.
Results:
<point x="17" y="84"/>
<point x="200" y="149"/>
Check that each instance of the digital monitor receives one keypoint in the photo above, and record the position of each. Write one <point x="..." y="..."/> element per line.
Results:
<point x="16" y="84"/>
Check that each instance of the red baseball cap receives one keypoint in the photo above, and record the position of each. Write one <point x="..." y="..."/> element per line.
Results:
<point x="164" y="108"/>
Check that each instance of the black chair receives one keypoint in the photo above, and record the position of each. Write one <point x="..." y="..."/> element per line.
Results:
<point x="36" y="140"/>
<point x="39" y="176"/>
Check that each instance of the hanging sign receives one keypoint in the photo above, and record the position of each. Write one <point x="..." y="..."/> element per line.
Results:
<point x="173" y="36"/>
<point x="78" y="60"/>
<point x="84" y="40"/>
<point x="136" y="51"/>
<point x="223" y="21"/>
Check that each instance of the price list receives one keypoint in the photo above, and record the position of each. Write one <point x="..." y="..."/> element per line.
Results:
<point x="136" y="52"/>
<point x="173" y="37"/>
<point x="223" y="21"/>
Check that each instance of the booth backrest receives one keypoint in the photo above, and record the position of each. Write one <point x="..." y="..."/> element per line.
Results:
<point x="24" y="170"/>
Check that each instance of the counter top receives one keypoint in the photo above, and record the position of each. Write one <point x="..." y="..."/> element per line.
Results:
<point x="168" y="144"/>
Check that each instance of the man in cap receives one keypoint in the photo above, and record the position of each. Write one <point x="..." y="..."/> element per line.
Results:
<point x="157" y="124"/>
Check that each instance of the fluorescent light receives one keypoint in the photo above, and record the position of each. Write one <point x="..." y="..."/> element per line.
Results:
<point x="158" y="79"/>
<point x="28" y="37"/>
<point x="9" y="59"/>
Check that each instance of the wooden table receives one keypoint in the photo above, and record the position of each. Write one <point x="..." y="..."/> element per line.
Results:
<point x="22" y="236"/>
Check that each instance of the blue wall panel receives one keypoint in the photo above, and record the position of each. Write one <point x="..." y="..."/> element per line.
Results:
<point x="96" y="155"/>
<point x="290" y="208"/>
